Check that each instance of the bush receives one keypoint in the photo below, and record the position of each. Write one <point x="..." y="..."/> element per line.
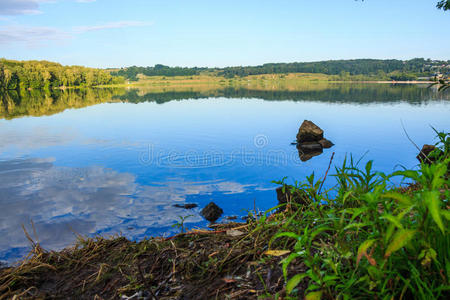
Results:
<point x="372" y="239"/>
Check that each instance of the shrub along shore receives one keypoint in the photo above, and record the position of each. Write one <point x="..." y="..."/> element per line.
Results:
<point x="365" y="238"/>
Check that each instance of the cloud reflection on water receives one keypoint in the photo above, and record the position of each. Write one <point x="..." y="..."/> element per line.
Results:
<point x="62" y="201"/>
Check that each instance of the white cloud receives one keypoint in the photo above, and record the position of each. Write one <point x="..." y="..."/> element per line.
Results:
<point x="111" y="25"/>
<point x="15" y="140"/>
<point x="19" y="7"/>
<point x="31" y="35"/>
<point x="26" y="7"/>
<point x="37" y="36"/>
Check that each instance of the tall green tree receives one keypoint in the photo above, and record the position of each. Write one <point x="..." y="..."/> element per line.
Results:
<point x="45" y="75"/>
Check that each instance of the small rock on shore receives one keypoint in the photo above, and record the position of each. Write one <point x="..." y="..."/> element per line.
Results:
<point x="211" y="212"/>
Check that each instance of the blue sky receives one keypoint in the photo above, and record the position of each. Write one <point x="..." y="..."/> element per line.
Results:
<point x="115" y="33"/>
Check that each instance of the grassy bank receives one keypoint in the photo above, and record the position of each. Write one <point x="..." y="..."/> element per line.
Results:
<point x="291" y="80"/>
<point x="365" y="238"/>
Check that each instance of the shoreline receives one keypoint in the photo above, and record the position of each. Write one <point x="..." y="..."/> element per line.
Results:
<point x="265" y="257"/>
<point x="220" y="81"/>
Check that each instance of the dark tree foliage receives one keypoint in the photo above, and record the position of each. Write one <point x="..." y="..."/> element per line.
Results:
<point x="444" y="4"/>
<point x="332" y="67"/>
<point x="381" y="69"/>
<point x="44" y="74"/>
<point x="158" y="70"/>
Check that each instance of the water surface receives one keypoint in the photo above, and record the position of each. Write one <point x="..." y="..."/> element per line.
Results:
<point x="115" y="161"/>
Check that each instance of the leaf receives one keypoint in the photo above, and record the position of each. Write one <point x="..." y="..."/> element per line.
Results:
<point x="393" y="220"/>
<point x="287" y="261"/>
<point x="433" y="203"/>
<point x="286" y="234"/>
<point x="294" y="281"/>
<point x="358" y="211"/>
<point x="234" y="232"/>
<point x="314" y="296"/>
<point x="389" y="232"/>
<point x="356" y="225"/>
<point x="426" y="256"/>
<point x="328" y="278"/>
<point x="277" y="252"/>
<point x="408" y="174"/>
<point x="446" y="214"/>
<point x="363" y="248"/>
<point x="375" y="273"/>
<point x="319" y="231"/>
<point x="401" y="198"/>
<point x="439" y="172"/>
<point x="371" y="260"/>
<point x="369" y="166"/>
<point x="346" y="195"/>
<point x="400" y="239"/>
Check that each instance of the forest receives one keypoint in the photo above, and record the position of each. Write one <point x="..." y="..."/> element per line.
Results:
<point x="158" y="70"/>
<point x="15" y="75"/>
<point x="378" y="69"/>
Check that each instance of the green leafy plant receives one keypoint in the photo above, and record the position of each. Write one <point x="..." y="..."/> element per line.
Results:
<point x="372" y="239"/>
<point x="180" y="224"/>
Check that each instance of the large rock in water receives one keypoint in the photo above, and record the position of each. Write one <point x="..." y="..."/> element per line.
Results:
<point x="186" y="205"/>
<point x="309" y="132"/>
<point x="211" y="212"/>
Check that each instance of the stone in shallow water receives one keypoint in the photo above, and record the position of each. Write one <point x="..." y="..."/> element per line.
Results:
<point x="186" y="206"/>
<point x="326" y="143"/>
<point x="310" y="141"/>
<point x="309" y="132"/>
<point x="211" y="212"/>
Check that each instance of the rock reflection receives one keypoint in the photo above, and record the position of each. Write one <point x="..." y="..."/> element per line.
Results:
<point x="306" y="153"/>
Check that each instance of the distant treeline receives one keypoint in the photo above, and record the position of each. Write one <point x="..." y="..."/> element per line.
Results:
<point x="158" y="70"/>
<point x="43" y="74"/>
<point x="375" y="67"/>
<point x="391" y="69"/>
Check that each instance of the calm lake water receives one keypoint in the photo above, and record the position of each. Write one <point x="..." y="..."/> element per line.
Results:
<point x="110" y="161"/>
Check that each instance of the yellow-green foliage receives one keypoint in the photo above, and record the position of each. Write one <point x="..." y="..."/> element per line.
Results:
<point x="44" y="74"/>
<point x="47" y="102"/>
